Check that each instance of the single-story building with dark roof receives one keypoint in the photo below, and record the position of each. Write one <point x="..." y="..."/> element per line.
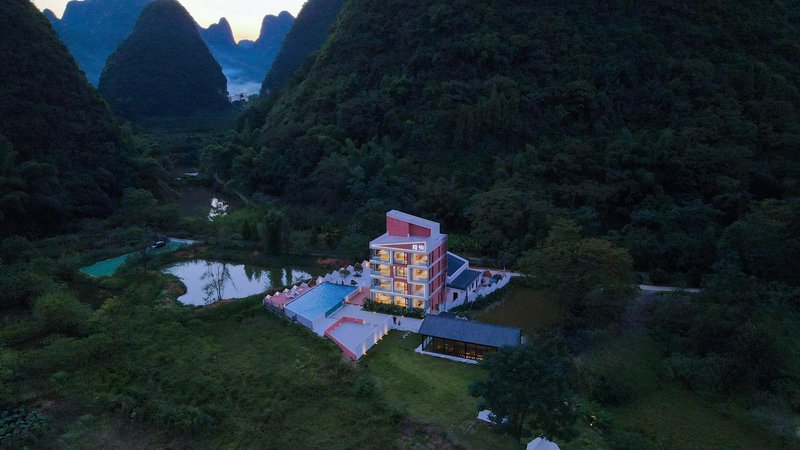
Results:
<point x="462" y="283"/>
<point x="447" y="335"/>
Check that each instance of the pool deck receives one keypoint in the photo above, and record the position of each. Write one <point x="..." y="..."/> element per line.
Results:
<point x="352" y="334"/>
<point x="369" y="317"/>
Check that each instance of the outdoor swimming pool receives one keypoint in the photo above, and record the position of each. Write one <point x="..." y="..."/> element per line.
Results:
<point x="318" y="303"/>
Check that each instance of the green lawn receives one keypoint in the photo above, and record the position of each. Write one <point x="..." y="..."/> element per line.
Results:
<point x="664" y="413"/>
<point x="526" y="308"/>
<point x="431" y="390"/>
<point x="677" y="419"/>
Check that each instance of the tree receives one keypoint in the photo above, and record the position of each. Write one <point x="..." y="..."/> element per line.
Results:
<point x="217" y="276"/>
<point x="528" y="385"/>
<point x="591" y="276"/>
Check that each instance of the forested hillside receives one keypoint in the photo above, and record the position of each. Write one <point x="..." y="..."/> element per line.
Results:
<point x="92" y="29"/>
<point x="657" y="122"/>
<point x="61" y="155"/>
<point x="307" y="35"/>
<point x="163" y="68"/>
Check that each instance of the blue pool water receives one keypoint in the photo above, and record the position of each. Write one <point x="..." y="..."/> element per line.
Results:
<point x="319" y="301"/>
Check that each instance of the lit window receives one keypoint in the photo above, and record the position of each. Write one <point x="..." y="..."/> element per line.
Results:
<point x="401" y="257"/>
<point x="400" y="301"/>
<point x="382" y="298"/>
<point x="401" y="272"/>
<point x="418" y="303"/>
<point x="382" y="270"/>
<point x="420" y="259"/>
<point x="400" y="286"/>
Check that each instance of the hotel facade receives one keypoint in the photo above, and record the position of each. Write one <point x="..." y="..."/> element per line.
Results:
<point x="409" y="263"/>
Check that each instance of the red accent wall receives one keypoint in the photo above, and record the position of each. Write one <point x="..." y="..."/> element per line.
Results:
<point x="416" y="230"/>
<point x="396" y="227"/>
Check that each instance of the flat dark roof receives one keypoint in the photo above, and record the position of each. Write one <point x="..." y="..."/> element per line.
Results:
<point x="464" y="279"/>
<point x="469" y="331"/>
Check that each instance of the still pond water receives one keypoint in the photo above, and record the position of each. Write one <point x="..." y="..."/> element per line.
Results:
<point x="206" y="280"/>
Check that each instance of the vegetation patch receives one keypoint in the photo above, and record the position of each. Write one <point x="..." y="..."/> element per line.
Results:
<point x="417" y="313"/>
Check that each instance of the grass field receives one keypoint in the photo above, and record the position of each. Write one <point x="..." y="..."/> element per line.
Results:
<point x="677" y="419"/>
<point x="665" y="415"/>
<point x="230" y="376"/>
<point x="431" y="390"/>
<point x="525" y="308"/>
<point x="435" y="390"/>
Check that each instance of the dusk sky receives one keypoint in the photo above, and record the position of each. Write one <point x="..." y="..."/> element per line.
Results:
<point x="244" y="15"/>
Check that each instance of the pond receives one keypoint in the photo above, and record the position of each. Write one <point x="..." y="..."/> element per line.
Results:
<point x="207" y="281"/>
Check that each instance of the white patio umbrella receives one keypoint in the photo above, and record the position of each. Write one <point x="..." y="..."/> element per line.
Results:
<point x="541" y="443"/>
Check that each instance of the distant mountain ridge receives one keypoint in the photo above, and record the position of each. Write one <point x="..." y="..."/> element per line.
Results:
<point x="92" y="30"/>
<point x="163" y="68"/>
<point x="246" y="63"/>
<point x="308" y="33"/>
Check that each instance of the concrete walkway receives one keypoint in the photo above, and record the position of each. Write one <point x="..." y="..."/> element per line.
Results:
<point x="654" y="288"/>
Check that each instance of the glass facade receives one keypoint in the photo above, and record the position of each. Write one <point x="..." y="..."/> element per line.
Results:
<point x="380" y="256"/>
<point x="420" y="260"/>
<point x="382" y="270"/>
<point x="460" y="349"/>
<point x="419" y="275"/>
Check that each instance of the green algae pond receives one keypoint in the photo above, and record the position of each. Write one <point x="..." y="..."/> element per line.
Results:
<point x="108" y="267"/>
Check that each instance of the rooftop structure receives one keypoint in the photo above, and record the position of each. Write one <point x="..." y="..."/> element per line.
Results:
<point x="448" y="335"/>
<point x="409" y="263"/>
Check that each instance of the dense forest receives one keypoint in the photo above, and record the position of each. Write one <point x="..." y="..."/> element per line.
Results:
<point x="660" y="122"/>
<point x="163" y="68"/>
<point x="62" y="156"/>
<point x="306" y="37"/>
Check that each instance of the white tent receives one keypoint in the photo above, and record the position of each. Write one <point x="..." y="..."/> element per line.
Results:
<point x="484" y="416"/>
<point x="541" y="443"/>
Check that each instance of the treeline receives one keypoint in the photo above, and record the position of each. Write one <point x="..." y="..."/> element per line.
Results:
<point x="657" y="123"/>
<point x="62" y="156"/>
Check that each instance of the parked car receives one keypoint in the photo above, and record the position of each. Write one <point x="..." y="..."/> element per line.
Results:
<point x="157" y="244"/>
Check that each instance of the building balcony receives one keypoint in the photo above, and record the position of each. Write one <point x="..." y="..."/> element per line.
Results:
<point x="417" y="290"/>
<point x="381" y="270"/>
<point x="400" y="258"/>
<point x="380" y="285"/>
<point x="380" y="257"/>
<point x="419" y="275"/>
<point x="419" y="260"/>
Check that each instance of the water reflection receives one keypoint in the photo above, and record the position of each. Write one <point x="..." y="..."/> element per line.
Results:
<point x="209" y="281"/>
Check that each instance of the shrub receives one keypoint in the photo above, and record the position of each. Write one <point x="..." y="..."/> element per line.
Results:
<point x="415" y="313"/>
<point x="19" y="424"/>
<point x="660" y="276"/>
<point x="61" y="312"/>
<point x="483" y="302"/>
